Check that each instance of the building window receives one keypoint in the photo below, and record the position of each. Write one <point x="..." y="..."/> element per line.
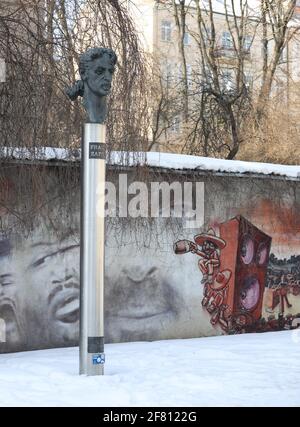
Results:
<point x="283" y="56"/>
<point x="189" y="71"/>
<point x="265" y="50"/>
<point x="207" y="77"/>
<point x="166" y="31"/>
<point x="175" y="124"/>
<point x="227" y="79"/>
<point x="167" y="73"/>
<point x="186" y="39"/>
<point x="207" y="36"/>
<point x="227" y="42"/>
<point x="247" y="42"/>
<point x="179" y="73"/>
<point x="248" y="80"/>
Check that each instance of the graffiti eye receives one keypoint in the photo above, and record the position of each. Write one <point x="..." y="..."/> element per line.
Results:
<point x="42" y="260"/>
<point x="6" y="280"/>
<point x="152" y="271"/>
<point x="6" y="283"/>
<point x="38" y="262"/>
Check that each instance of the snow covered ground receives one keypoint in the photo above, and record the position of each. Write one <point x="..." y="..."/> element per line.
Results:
<point x="240" y="370"/>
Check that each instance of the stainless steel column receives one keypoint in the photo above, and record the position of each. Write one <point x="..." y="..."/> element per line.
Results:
<point x="92" y="250"/>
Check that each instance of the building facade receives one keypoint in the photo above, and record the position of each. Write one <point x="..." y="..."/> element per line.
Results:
<point x="160" y="37"/>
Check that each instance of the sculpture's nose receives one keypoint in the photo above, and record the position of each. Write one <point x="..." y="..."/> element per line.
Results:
<point x="107" y="75"/>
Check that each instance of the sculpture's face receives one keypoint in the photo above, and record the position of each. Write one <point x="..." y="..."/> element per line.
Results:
<point x="99" y="74"/>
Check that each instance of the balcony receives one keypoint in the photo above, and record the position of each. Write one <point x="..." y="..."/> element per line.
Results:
<point x="229" y="52"/>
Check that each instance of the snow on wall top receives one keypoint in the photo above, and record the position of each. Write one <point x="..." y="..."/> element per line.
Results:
<point x="156" y="159"/>
<point x="177" y="161"/>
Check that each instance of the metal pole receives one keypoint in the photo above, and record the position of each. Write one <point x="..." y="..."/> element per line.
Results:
<point x="92" y="356"/>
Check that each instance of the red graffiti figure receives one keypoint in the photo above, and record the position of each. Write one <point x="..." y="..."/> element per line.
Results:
<point x="215" y="282"/>
<point x="215" y="295"/>
<point x="209" y="253"/>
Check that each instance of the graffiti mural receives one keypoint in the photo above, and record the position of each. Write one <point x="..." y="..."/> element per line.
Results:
<point x="243" y="283"/>
<point x="146" y="296"/>
<point x="208" y="247"/>
<point x="39" y="292"/>
<point x="239" y="272"/>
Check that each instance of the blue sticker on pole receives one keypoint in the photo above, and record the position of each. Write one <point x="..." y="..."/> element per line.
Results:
<point x="99" y="359"/>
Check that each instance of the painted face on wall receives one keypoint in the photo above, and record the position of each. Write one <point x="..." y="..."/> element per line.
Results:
<point x="10" y="312"/>
<point x="53" y="274"/>
<point x="98" y="75"/>
<point x="146" y="297"/>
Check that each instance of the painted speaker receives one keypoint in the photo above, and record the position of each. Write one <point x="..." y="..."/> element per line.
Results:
<point x="246" y="255"/>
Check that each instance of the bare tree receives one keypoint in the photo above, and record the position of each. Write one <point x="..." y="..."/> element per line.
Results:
<point x="165" y="104"/>
<point x="180" y="11"/>
<point x="220" y="95"/>
<point x="223" y="98"/>
<point x="275" y="19"/>
<point x="41" y="42"/>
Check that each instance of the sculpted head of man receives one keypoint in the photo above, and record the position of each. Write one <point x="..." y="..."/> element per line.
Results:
<point x="96" y="68"/>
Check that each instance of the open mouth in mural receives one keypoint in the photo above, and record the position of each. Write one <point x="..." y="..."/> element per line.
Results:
<point x="8" y="314"/>
<point x="64" y="303"/>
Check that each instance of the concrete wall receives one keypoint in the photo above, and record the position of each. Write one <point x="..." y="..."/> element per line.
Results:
<point x="150" y="291"/>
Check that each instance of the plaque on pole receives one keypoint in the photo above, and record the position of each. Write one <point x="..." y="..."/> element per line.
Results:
<point x="96" y="67"/>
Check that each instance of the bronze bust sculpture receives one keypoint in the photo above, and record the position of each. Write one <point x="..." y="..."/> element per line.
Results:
<point x="96" y="68"/>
